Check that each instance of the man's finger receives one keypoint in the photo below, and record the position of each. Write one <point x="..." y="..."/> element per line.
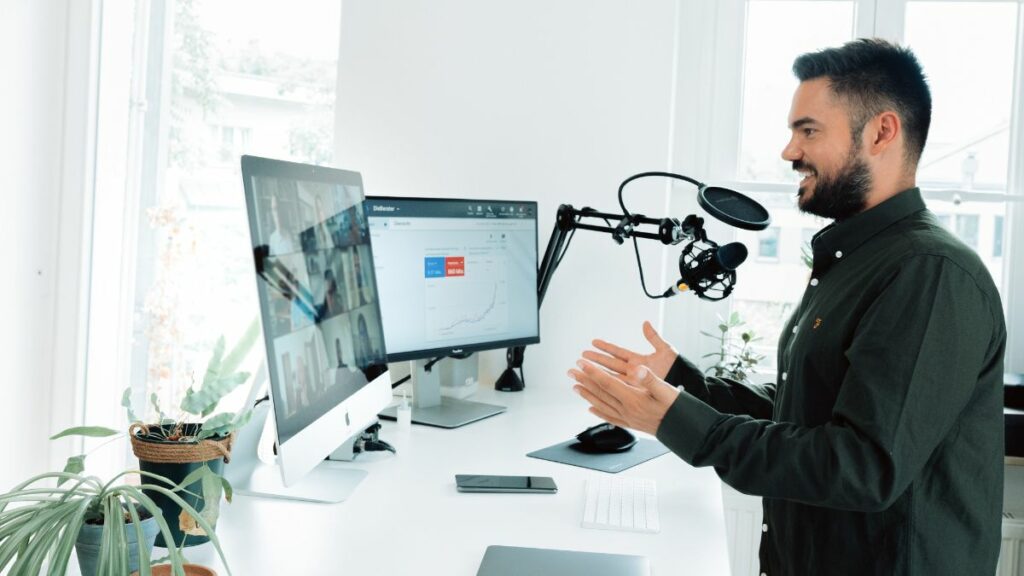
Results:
<point x="588" y="383"/>
<point x="588" y="393"/>
<point x="610" y="362"/>
<point x="613" y="384"/>
<point x="616" y="351"/>
<point x="643" y="378"/>
<point x="653" y="337"/>
<point x="608" y="417"/>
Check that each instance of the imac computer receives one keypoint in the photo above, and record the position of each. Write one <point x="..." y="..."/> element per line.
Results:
<point x="455" y="276"/>
<point x="326" y="359"/>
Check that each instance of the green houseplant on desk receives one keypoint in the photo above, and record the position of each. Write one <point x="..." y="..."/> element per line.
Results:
<point x="111" y="525"/>
<point x="177" y="449"/>
<point x="181" y="450"/>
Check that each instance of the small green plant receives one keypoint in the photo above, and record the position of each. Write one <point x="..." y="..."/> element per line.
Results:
<point x="734" y="360"/>
<point x="221" y="377"/>
<point x="40" y="523"/>
<point x="807" y="255"/>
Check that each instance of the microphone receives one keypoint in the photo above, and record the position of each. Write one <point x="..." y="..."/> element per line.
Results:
<point x="709" y="271"/>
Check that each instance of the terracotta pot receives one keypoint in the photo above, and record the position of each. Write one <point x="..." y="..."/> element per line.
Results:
<point x="190" y="570"/>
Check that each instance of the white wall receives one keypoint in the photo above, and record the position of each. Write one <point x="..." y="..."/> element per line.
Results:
<point x="45" y="72"/>
<point x="556" y="102"/>
<point x="32" y="56"/>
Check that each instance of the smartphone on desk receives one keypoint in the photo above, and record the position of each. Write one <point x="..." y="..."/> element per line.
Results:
<point x="475" y="483"/>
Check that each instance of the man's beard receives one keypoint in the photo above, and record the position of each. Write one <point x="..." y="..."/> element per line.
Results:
<point x="840" y="196"/>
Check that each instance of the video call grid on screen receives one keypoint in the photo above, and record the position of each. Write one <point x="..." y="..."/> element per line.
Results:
<point x="317" y="289"/>
<point x="454" y="274"/>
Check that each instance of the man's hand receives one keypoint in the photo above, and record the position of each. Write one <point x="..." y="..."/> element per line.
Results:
<point x="620" y="360"/>
<point x="637" y="399"/>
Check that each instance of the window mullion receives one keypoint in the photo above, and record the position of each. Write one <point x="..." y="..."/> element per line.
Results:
<point x="889" y="18"/>
<point x="1013" y="263"/>
<point x="864" y="18"/>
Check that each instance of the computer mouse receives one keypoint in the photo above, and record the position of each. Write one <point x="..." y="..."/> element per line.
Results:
<point x="604" y="438"/>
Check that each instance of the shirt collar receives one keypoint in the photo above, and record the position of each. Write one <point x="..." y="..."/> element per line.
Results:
<point x="840" y="239"/>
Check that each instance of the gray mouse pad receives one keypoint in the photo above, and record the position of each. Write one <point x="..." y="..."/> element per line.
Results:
<point x="644" y="450"/>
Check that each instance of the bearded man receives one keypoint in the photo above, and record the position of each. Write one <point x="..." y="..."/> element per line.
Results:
<point x="878" y="449"/>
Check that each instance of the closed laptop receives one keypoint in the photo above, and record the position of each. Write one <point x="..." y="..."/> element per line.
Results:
<point x="513" y="561"/>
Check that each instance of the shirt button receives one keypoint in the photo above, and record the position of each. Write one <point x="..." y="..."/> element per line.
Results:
<point x="839" y="253"/>
<point x="764" y="574"/>
<point x="764" y="527"/>
<point x="794" y="329"/>
<point x="784" y="376"/>
<point x="814" y="281"/>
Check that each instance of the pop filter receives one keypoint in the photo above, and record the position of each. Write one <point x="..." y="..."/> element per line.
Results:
<point x="733" y="208"/>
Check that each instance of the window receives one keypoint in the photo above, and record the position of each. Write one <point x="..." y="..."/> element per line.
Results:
<point x="768" y="81"/>
<point x="770" y="286"/>
<point x="220" y="78"/>
<point x="967" y="49"/>
<point x="967" y="229"/>
<point x="997" y="237"/>
<point x="768" y="244"/>
<point x="970" y="51"/>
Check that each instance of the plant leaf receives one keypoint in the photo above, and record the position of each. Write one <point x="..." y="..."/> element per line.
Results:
<point x="193" y="477"/>
<point x="173" y="553"/>
<point x="218" y="425"/>
<point x="91" y="431"/>
<point x="140" y="541"/>
<point x="241" y="350"/>
<point x="155" y="402"/>
<point x="204" y="401"/>
<point x="207" y="527"/>
<point x="229" y="491"/>
<point x="212" y="491"/>
<point x="75" y="465"/>
<point x="243" y="418"/>
<point x="126" y="402"/>
<point x="213" y="367"/>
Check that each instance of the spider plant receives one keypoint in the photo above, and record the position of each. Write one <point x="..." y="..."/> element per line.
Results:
<point x="41" y="523"/>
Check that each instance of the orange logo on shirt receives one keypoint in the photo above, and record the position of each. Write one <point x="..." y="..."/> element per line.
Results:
<point x="817" y="323"/>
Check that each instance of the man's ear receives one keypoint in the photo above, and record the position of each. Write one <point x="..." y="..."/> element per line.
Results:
<point x="882" y="132"/>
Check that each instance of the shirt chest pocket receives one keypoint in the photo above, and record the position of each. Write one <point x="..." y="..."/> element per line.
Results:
<point x="814" y="365"/>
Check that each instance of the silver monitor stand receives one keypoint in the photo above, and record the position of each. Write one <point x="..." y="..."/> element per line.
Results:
<point x="431" y="409"/>
<point x="329" y="482"/>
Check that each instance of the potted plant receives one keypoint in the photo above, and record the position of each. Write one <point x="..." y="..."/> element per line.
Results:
<point x="188" y="447"/>
<point x="734" y="360"/>
<point x="186" y="450"/>
<point x="111" y="525"/>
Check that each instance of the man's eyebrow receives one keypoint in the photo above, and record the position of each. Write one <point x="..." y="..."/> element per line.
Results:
<point x="802" y="122"/>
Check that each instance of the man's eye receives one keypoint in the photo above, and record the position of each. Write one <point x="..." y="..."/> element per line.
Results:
<point x="809" y="131"/>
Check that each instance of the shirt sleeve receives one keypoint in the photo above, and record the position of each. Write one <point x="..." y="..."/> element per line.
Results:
<point x="914" y="363"/>
<point x="724" y="394"/>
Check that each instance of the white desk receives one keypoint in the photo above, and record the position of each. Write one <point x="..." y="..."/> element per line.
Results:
<point x="407" y="518"/>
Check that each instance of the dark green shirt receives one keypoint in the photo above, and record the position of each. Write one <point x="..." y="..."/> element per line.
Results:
<point x="879" y="448"/>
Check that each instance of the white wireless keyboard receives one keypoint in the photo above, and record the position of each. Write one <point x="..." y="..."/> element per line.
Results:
<point x="621" y="504"/>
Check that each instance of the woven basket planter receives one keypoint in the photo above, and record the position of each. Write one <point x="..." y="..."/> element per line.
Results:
<point x="175" y="460"/>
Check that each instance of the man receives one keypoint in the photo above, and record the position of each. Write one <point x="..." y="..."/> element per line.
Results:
<point x="879" y="448"/>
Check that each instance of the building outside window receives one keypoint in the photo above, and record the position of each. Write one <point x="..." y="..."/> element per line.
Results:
<point x="768" y="244"/>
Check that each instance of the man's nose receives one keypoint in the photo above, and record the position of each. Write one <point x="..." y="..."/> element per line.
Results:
<point x="792" y="152"/>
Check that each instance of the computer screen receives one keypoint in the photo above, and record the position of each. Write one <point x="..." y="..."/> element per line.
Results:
<point x="317" y="291"/>
<point x="454" y="275"/>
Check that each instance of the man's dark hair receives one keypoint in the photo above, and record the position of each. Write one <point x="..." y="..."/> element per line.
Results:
<point x="872" y="76"/>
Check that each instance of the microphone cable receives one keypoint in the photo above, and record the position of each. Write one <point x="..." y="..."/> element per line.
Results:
<point x="627" y="214"/>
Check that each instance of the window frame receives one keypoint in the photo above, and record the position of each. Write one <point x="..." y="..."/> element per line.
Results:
<point x="718" y="73"/>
